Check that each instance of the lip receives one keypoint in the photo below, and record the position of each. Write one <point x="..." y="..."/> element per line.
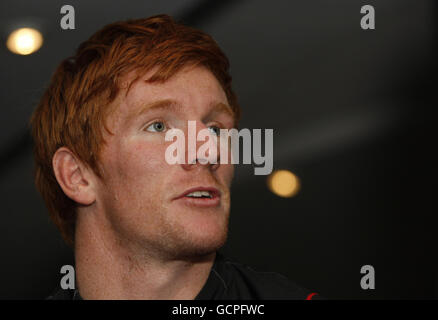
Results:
<point x="201" y="202"/>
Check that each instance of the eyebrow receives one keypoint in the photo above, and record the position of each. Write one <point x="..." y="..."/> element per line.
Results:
<point x="177" y="107"/>
<point x="223" y="108"/>
<point x="160" y="104"/>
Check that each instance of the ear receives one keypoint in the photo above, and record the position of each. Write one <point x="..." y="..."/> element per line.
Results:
<point x="76" y="180"/>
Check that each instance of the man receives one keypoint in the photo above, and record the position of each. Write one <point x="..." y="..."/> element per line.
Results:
<point x="142" y="228"/>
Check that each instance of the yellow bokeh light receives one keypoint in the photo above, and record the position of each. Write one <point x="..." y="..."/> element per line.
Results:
<point x="283" y="183"/>
<point x="24" y="41"/>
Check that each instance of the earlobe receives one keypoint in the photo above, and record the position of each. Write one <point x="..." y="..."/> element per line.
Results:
<point x="74" y="178"/>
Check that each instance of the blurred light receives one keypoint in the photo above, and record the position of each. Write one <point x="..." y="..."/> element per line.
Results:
<point x="283" y="183"/>
<point x="24" y="41"/>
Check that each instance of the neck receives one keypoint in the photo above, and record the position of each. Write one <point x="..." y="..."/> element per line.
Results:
<point x="107" y="268"/>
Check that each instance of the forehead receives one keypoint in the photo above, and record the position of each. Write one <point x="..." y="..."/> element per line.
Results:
<point x="194" y="88"/>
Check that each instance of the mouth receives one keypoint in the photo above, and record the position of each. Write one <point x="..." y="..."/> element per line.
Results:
<point x="200" y="196"/>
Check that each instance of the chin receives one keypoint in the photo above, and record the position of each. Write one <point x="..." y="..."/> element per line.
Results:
<point x="202" y="243"/>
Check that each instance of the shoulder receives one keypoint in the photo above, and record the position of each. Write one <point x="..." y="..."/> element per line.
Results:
<point x="246" y="283"/>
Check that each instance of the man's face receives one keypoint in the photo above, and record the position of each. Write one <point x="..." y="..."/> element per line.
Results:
<point x="143" y="197"/>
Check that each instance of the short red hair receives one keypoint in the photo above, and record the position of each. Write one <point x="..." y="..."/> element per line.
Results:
<point x="74" y="107"/>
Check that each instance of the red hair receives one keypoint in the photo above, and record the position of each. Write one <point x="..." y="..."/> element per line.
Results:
<point x="74" y="107"/>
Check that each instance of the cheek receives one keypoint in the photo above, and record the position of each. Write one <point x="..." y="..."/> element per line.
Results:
<point x="145" y="160"/>
<point x="135" y="183"/>
<point x="226" y="172"/>
<point x="137" y="168"/>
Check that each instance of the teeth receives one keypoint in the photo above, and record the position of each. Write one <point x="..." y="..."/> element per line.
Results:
<point x="199" y="194"/>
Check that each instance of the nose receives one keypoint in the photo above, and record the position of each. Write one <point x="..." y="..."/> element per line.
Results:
<point x="203" y="152"/>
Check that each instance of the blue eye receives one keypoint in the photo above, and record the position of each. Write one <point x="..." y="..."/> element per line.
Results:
<point x="157" y="126"/>
<point x="215" y="130"/>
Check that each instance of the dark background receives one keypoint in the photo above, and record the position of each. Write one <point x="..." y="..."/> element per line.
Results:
<point x="352" y="113"/>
